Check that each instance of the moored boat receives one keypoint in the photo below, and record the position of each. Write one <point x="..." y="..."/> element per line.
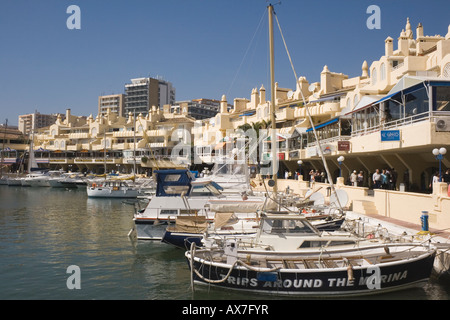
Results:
<point x="177" y="194"/>
<point x="111" y="188"/>
<point x="369" y="270"/>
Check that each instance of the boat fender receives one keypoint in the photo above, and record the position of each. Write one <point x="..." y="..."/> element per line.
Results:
<point x="350" y="273"/>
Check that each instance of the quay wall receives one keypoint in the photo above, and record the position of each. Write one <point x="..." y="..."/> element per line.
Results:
<point x="400" y="205"/>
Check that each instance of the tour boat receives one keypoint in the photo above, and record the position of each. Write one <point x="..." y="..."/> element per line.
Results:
<point x="289" y="257"/>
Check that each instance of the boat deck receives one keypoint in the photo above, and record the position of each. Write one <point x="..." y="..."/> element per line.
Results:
<point x="321" y="262"/>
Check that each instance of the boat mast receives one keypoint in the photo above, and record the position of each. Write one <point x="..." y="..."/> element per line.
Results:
<point x="134" y="148"/>
<point x="3" y="148"/>
<point x="272" y="101"/>
<point x="31" y="158"/>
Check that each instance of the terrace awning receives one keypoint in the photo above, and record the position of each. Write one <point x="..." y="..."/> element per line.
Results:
<point x="321" y="125"/>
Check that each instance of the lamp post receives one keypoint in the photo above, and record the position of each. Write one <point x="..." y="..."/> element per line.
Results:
<point x="300" y="162"/>
<point x="439" y="154"/>
<point x="340" y="160"/>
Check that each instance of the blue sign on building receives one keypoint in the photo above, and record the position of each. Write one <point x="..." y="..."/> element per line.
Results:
<point x="390" y="135"/>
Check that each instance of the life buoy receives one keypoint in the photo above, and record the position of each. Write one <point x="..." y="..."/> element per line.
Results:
<point x="94" y="185"/>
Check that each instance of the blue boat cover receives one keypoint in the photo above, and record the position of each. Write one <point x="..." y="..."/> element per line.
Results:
<point x="172" y="178"/>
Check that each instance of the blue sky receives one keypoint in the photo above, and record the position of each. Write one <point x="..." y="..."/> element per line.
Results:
<point x="206" y="48"/>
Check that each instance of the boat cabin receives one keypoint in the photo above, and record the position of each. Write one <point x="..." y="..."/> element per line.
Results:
<point x="287" y="232"/>
<point x="175" y="183"/>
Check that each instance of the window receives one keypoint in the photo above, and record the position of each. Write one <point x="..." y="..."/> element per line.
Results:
<point x="285" y="226"/>
<point x="374" y="76"/>
<point x="416" y="102"/>
<point x="355" y="100"/>
<point x="446" y="71"/>
<point x="383" y="72"/>
<point x="393" y="109"/>
<point x="442" y="98"/>
<point x="168" y="211"/>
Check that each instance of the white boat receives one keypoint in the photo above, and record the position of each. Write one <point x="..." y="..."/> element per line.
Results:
<point x="111" y="188"/>
<point x="226" y="224"/>
<point x="289" y="257"/>
<point x="36" y="179"/>
<point x="178" y="194"/>
<point x="230" y="175"/>
<point x="189" y="229"/>
<point x="62" y="180"/>
<point x="15" y="181"/>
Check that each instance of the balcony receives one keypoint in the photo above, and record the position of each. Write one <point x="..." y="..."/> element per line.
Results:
<point x="158" y="133"/>
<point x="122" y="134"/>
<point x="79" y="135"/>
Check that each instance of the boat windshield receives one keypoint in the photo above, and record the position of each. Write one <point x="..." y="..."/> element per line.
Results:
<point x="286" y="226"/>
<point x="204" y="190"/>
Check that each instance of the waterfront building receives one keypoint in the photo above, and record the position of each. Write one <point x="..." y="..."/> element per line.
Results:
<point x="114" y="142"/>
<point x="199" y="108"/>
<point x="143" y="93"/>
<point x="13" y="147"/>
<point x="391" y="116"/>
<point x="114" y="102"/>
<point x="26" y="121"/>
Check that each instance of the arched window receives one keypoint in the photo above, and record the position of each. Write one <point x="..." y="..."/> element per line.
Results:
<point x="383" y="72"/>
<point x="53" y="132"/>
<point x="374" y="76"/>
<point x="446" y="71"/>
<point x="355" y="100"/>
<point x="94" y="131"/>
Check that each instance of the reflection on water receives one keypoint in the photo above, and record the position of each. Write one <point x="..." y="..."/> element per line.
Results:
<point x="44" y="230"/>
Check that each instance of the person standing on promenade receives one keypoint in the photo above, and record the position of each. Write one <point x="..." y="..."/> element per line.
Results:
<point x="354" y="178"/>
<point x="393" y="181"/>
<point x="360" y="179"/>
<point x="376" y="178"/>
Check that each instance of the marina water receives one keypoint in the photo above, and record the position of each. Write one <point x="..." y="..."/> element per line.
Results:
<point x="43" y="231"/>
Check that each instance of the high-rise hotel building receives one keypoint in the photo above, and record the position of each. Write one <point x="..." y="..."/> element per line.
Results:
<point x="114" y="102"/>
<point x="143" y="93"/>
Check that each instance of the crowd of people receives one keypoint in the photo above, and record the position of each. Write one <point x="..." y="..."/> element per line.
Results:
<point x="386" y="179"/>
<point x="381" y="179"/>
<point x="445" y="177"/>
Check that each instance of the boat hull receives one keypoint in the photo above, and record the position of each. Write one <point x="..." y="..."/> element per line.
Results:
<point x="109" y="193"/>
<point x="62" y="184"/>
<point x="317" y="282"/>
<point x="181" y="239"/>
<point x="150" y="229"/>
